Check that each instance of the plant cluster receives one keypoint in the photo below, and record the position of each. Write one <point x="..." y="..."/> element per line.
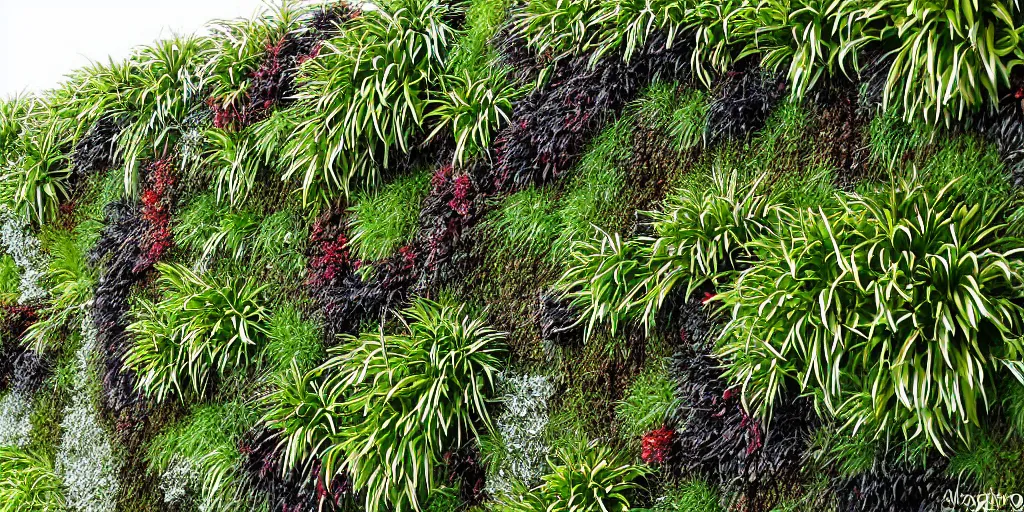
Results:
<point x="587" y="477"/>
<point x="514" y="451"/>
<point x="384" y="408"/>
<point x="201" y="329"/>
<point x="899" y="311"/>
<point x="28" y="482"/>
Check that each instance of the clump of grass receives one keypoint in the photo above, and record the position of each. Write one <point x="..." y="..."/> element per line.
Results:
<point x="384" y="220"/>
<point x="991" y="461"/>
<point x="523" y="225"/>
<point x="594" y="187"/>
<point x="292" y="339"/>
<point x="647" y="404"/>
<point x="892" y="140"/>
<point x="782" y="145"/>
<point x="280" y="244"/>
<point x="28" y="482"/>
<point x="691" y="496"/>
<point x="972" y="163"/>
<point x="681" y="113"/>
<point x="473" y="49"/>
<point x="207" y="442"/>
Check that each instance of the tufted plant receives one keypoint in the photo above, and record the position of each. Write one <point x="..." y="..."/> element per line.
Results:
<point x="28" y="482"/>
<point x="586" y="477"/>
<point x="201" y="329"/>
<point x="561" y="28"/>
<point x="384" y="408"/>
<point x="900" y="312"/>
<point x="952" y="57"/>
<point x="365" y="96"/>
<point x="473" y="108"/>
<point x="41" y="178"/>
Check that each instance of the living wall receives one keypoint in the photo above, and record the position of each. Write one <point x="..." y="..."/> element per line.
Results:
<point x="537" y="255"/>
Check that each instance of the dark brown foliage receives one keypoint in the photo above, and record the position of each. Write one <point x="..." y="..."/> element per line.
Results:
<point x="718" y="440"/>
<point x="743" y="101"/>
<point x="894" y="488"/>
<point x="557" y="319"/>
<point x="97" y="150"/>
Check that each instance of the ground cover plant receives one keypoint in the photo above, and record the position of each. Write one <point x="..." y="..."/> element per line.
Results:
<point x="659" y="255"/>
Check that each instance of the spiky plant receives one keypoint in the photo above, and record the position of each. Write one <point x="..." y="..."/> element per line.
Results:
<point x="28" y="482"/>
<point x="473" y="108"/>
<point x="365" y="96"/>
<point x="952" y="57"/>
<point x="560" y="28"/>
<point x="899" y="312"/>
<point x="201" y="329"/>
<point x="385" y="408"/>
<point x="42" y="174"/>
<point x="586" y="477"/>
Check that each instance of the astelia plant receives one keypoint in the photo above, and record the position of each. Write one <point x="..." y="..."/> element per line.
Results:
<point x="42" y="176"/>
<point x="560" y="28"/>
<point x="604" y="277"/>
<point x="900" y="312"/>
<point x="586" y="477"/>
<point x="702" y="235"/>
<point x="201" y="329"/>
<point x="384" y="408"/>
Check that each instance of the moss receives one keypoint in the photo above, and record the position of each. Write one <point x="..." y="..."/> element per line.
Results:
<point x="292" y="339"/>
<point x="524" y="225"/>
<point x="384" y="220"/>
<point x="690" y="496"/>
<point x="647" y="403"/>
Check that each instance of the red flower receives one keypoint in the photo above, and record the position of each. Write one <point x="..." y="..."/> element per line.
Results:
<point x="655" y="445"/>
<point x="708" y="297"/>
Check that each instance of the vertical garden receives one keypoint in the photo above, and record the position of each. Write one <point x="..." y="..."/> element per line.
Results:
<point x="523" y="255"/>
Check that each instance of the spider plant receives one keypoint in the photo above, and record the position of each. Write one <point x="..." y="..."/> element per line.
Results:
<point x="899" y="312"/>
<point x="559" y="28"/>
<point x="473" y="107"/>
<point x="201" y="329"/>
<point x="70" y="282"/>
<point x="42" y="173"/>
<point x="365" y="96"/>
<point x="28" y="482"/>
<point x="585" y="477"/>
<point x="951" y="56"/>
<point x="385" y="407"/>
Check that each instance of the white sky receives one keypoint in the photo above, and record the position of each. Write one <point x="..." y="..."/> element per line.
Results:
<point x="42" y="40"/>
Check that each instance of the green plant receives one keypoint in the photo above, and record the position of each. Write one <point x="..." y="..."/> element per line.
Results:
<point x="384" y="220"/>
<point x="899" y="311"/>
<point x="951" y="58"/>
<point x="603" y="279"/>
<point x="587" y="477"/>
<point x="385" y="407"/>
<point x="681" y="113"/>
<point x="233" y="162"/>
<point x="10" y="280"/>
<point x="207" y="443"/>
<point x="473" y="107"/>
<point x="691" y="496"/>
<point x="365" y="96"/>
<point x="200" y="329"/>
<point x="42" y="173"/>
<point x="28" y="482"/>
<point x="70" y="282"/>
<point x="557" y="28"/>
<point x="702" y="235"/>
<point x="523" y="224"/>
<point x="647" y="403"/>
<point x="292" y="339"/>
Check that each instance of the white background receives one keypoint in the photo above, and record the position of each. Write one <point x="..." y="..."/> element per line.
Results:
<point x="43" y="40"/>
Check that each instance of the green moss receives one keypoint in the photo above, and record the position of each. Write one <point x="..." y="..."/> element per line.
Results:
<point x="523" y="225"/>
<point x="691" y="496"/>
<point x="974" y="163"/>
<point x="648" y="402"/>
<point x="384" y="220"/>
<point x="292" y="338"/>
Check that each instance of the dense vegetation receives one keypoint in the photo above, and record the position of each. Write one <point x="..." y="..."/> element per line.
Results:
<point x="525" y="255"/>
